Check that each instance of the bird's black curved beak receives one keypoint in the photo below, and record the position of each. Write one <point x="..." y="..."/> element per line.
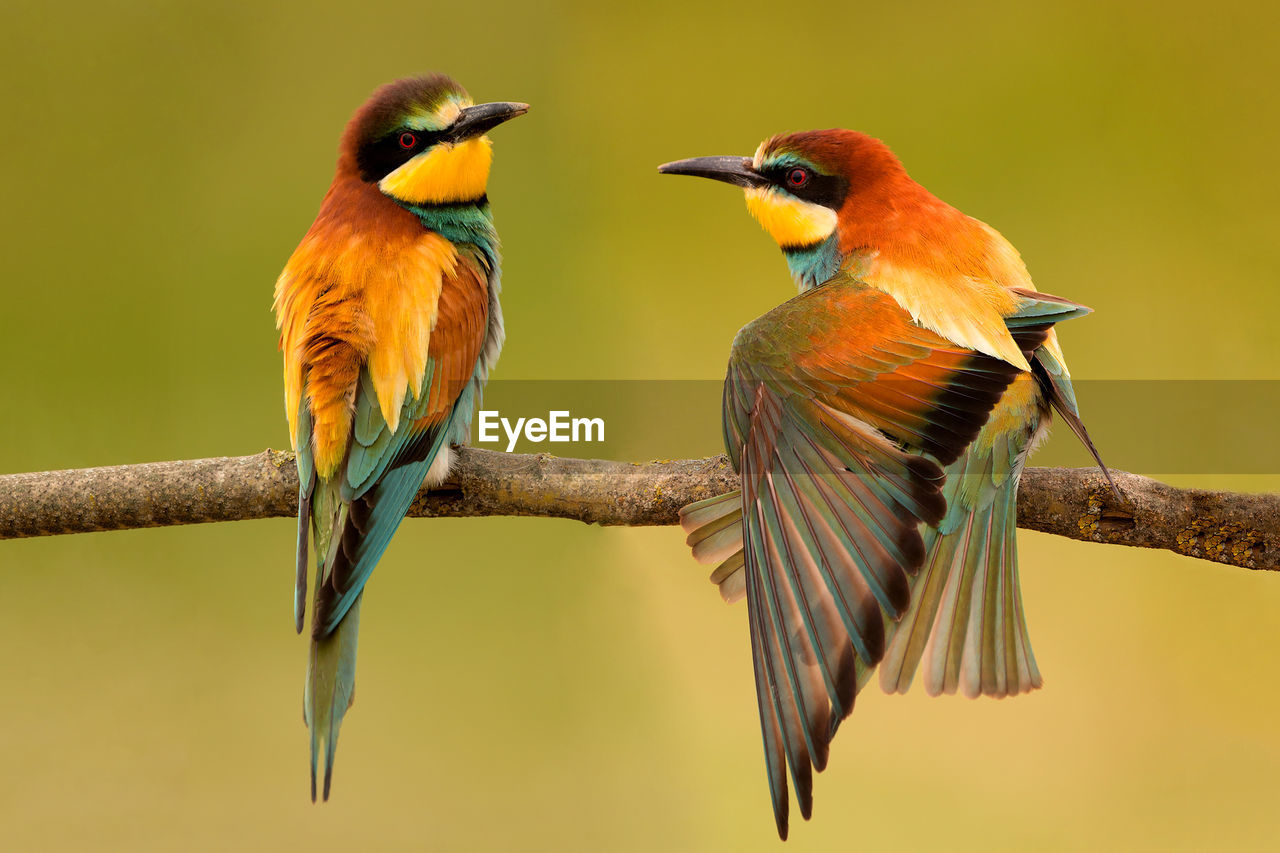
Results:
<point x="482" y="118"/>
<point x="731" y="170"/>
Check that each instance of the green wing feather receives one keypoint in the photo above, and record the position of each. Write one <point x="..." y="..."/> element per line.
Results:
<point x="835" y="488"/>
<point x="306" y="483"/>
<point x="354" y="513"/>
<point x="965" y="621"/>
<point x="842" y="447"/>
<point x="966" y="626"/>
<point x="354" y="516"/>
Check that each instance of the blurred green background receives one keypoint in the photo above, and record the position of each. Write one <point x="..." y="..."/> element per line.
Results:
<point x="542" y="685"/>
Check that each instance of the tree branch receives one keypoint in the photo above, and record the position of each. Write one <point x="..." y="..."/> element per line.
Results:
<point x="1225" y="527"/>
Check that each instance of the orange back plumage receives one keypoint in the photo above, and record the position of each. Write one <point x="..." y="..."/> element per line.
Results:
<point x="362" y="286"/>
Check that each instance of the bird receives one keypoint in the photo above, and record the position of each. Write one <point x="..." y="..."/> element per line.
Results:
<point x="389" y="326"/>
<point x="880" y="421"/>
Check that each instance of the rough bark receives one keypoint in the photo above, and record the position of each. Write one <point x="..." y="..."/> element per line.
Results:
<point x="1225" y="527"/>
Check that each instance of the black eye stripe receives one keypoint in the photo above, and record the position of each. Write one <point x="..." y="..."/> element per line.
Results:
<point x="826" y="190"/>
<point x="384" y="155"/>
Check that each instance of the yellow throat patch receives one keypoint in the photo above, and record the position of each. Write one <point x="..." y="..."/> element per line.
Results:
<point x="445" y="173"/>
<point x="790" y="221"/>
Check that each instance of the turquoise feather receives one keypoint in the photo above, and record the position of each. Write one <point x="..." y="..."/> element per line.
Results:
<point x="370" y="495"/>
<point x="331" y="665"/>
<point x="306" y="482"/>
<point x="965" y="623"/>
<point x="829" y="518"/>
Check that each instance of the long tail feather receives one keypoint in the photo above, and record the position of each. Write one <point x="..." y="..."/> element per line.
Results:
<point x="1054" y="381"/>
<point x="331" y="681"/>
<point x="1076" y="425"/>
<point x="966" y="624"/>
<point x="911" y="634"/>
<point x="331" y="666"/>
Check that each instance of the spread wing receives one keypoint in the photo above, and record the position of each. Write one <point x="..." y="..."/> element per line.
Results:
<point x="839" y="413"/>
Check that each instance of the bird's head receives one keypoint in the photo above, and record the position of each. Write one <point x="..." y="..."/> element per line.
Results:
<point x="422" y="141"/>
<point x="806" y="188"/>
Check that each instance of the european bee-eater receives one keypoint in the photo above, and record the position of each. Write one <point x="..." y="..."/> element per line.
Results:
<point x="880" y="421"/>
<point x="389" y="324"/>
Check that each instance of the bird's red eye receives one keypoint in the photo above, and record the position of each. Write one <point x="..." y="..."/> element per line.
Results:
<point x="408" y="140"/>
<point x="797" y="177"/>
